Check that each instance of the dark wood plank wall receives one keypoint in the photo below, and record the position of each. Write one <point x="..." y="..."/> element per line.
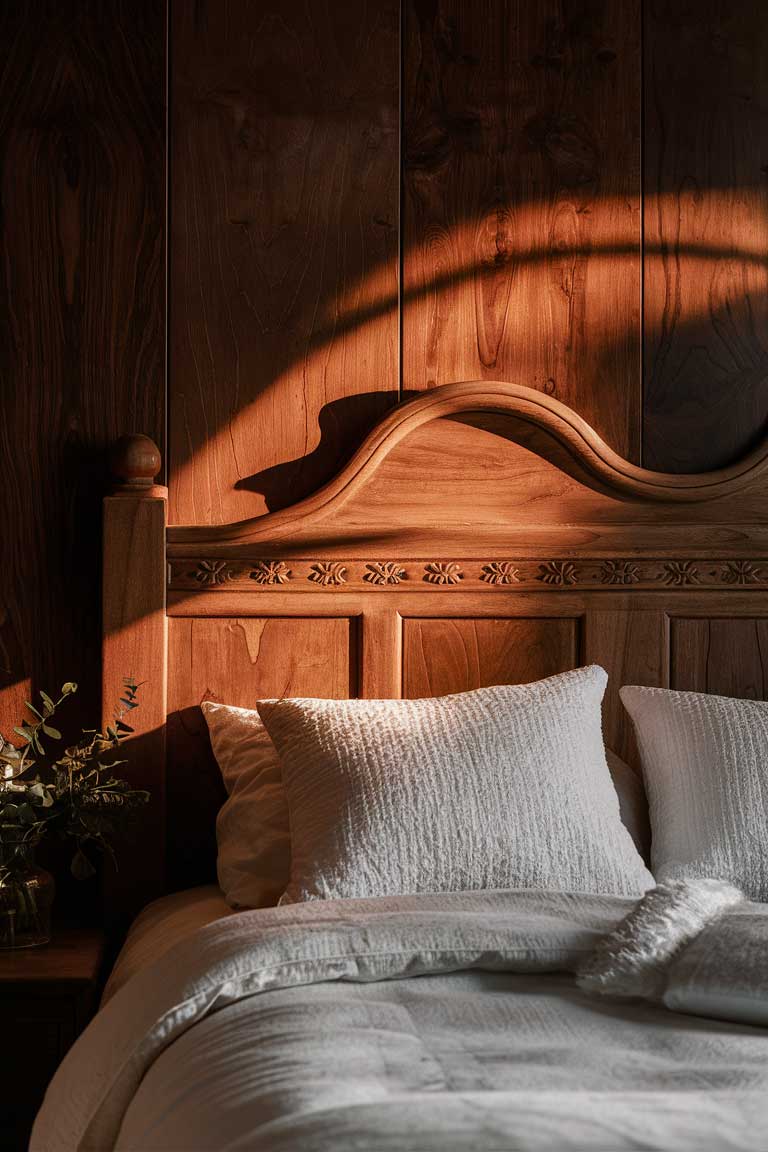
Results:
<point x="582" y="193"/>
<point x="82" y="355"/>
<point x="521" y="209"/>
<point x="283" y="321"/>
<point x="567" y="193"/>
<point x="706" y="231"/>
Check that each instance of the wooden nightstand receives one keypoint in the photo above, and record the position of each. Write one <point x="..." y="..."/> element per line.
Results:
<point x="47" y="996"/>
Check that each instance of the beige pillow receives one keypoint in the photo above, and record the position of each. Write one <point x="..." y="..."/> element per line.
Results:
<point x="633" y="803"/>
<point x="503" y="787"/>
<point x="253" y="860"/>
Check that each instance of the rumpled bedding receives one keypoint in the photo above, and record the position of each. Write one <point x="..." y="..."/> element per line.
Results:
<point x="160" y="926"/>
<point x="427" y="1022"/>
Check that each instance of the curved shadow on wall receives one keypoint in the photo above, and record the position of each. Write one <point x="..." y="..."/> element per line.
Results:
<point x="741" y="364"/>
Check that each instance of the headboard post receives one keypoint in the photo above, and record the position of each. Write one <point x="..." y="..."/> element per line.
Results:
<point x="134" y="626"/>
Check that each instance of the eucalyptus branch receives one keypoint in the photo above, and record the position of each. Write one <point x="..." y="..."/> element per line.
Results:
<point x="79" y="787"/>
<point x="30" y="732"/>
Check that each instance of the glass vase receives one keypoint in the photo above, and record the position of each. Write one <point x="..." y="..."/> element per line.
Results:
<point x="26" y="896"/>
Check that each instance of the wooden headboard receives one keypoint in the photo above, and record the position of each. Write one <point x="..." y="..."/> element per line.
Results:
<point x="483" y="533"/>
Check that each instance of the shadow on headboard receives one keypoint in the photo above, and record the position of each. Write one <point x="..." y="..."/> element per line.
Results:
<point x="446" y="555"/>
<point x="195" y="790"/>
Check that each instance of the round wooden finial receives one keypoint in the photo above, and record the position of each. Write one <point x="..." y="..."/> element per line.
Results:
<point x="135" y="461"/>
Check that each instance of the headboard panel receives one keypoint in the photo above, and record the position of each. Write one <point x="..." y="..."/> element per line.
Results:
<point x="424" y="571"/>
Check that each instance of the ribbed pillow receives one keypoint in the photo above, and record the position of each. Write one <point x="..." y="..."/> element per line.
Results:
<point x="705" y="763"/>
<point x="253" y="856"/>
<point x="503" y="787"/>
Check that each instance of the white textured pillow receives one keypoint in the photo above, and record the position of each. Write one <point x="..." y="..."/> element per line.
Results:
<point x="502" y="787"/>
<point x="252" y="831"/>
<point x="253" y="860"/>
<point x="705" y="763"/>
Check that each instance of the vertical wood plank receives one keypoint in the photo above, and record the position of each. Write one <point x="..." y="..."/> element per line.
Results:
<point x="521" y="229"/>
<point x="284" y="225"/>
<point x="82" y="173"/>
<point x="633" y="647"/>
<point x="706" y="231"/>
<point x="726" y="657"/>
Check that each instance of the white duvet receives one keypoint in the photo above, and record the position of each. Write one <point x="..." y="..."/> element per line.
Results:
<point x="427" y="1022"/>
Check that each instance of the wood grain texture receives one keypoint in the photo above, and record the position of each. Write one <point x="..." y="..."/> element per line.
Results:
<point x="381" y="653"/>
<point x="460" y="602"/>
<point x="235" y="661"/>
<point x="444" y="656"/>
<point x="521" y="229"/>
<point x="633" y="646"/>
<point x="73" y="957"/>
<point x="81" y="313"/>
<point x="726" y="657"/>
<point x="284" y="197"/>
<point x="239" y="660"/>
<point x="706" y="231"/>
<point x="135" y="645"/>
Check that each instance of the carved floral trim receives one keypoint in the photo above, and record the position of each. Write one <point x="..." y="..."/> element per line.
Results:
<point x="596" y="573"/>
<point x="328" y="573"/>
<point x="213" y="572"/>
<point x="740" y="572"/>
<point x="443" y="572"/>
<point x="384" y="572"/>
<point x="619" y="572"/>
<point x="500" y="572"/>
<point x="270" y="572"/>
<point x="680" y="573"/>
<point x="558" y="572"/>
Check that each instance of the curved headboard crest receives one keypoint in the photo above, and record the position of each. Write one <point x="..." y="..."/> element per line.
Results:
<point x="590" y="452"/>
